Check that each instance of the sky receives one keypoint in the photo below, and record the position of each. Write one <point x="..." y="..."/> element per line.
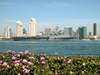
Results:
<point x="49" y="13"/>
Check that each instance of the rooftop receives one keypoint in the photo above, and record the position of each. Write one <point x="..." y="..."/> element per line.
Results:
<point x="19" y="22"/>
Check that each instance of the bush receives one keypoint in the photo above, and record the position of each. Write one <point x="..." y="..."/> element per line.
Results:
<point x="12" y="63"/>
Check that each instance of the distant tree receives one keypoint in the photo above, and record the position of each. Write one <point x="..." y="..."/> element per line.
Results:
<point x="92" y="38"/>
<point x="24" y="31"/>
<point x="80" y="38"/>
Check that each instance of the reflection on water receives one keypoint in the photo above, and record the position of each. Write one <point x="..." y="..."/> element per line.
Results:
<point x="32" y="41"/>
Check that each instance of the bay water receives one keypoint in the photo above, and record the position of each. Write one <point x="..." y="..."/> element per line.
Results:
<point x="63" y="48"/>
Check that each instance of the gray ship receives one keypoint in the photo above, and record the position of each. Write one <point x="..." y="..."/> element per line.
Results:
<point x="53" y="37"/>
<point x="45" y="38"/>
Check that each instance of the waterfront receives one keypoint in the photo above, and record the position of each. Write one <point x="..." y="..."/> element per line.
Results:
<point x="67" y="48"/>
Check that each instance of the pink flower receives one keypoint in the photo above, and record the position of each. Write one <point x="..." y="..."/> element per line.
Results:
<point x="26" y="52"/>
<point x="17" y="61"/>
<point x="64" y="60"/>
<point x="16" y="64"/>
<point x="69" y="61"/>
<point x="18" y="55"/>
<point x="21" y="52"/>
<point x="55" y="73"/>
<point x="29" y="63"/>
<point x="56" y="53"/>
<point x="23" y="67"/>
<point x="43" y="62"/>
<point x="13" y="58"/>
<point x="20" y="63"/>
<point x="44" y="54"/>
<point x="42" y="58"/>
<point x="4" y="64"/>
<point x="9" y="51"/>
<point x="0" y="54"/>
<point x="31" y="57"/>
<point x="47" y="67"/>
<point x="38" y="54"/>
<point x="20" y="60"/>
<point x="26" y="71"/>
<point x="0" y="61"/>
<point x="24" y="61"/>
<point x="13" y="51"/>
<point x="3" y="56"/>
<point x="99" y="63"/>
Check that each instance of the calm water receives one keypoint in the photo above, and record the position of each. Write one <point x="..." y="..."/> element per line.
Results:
<point x="72" y="48"/>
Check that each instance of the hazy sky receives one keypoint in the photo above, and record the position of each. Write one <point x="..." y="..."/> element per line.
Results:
<point x="48" y="13"/>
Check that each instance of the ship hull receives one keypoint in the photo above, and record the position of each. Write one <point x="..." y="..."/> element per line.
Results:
<point x="45" y="38"/>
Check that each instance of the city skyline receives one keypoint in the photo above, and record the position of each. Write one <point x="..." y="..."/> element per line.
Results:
<point x="48" y="13"/>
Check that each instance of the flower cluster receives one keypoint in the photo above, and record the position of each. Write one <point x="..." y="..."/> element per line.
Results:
<point x="26" y="52"/>
<point x="31" y="57"/>
<point x="12" y="63"/>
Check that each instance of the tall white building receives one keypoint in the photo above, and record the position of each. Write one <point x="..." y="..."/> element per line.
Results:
<point x="7" y="32"/>
<point x="48" y="31"/>
<point x="68" y="30"/>
<point x="19" y="28"/>
<point x="33" y="27"/>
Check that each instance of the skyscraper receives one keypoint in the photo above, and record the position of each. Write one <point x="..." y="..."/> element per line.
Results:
<point x="82" y="32"/>
<point x="8" y="32"/>
<point x="19" y="28"/>
<point x="94" y="29"/>
<point x="68" y="30"/>
<point x="90" y="33"/>
<point x="74" y="33"/>
<point x="33" y="27"/>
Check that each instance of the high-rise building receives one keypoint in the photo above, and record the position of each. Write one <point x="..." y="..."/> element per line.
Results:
<point x="14" y="34"/>
<point x="8" y="32"/>
<point x="74" y="33"/>
<point x="48" y="31"/>
<point x="77" y="32"/>
<point x="68" y="30"/>
<point x="38" y="32"/>
<point x="94" y="29"/>
<point x="82" y="32"/>
<point x="90" y="33"/>
<point x="19" y="28"/>
<point x="33" y="27"/>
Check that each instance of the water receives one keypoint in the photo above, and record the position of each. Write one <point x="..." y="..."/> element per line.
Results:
<point x="68" y="48"/>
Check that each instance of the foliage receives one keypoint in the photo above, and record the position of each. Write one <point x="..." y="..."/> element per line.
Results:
<point x="92" y="38"/>
<point x="7" y="38"/>
<point x="12" y="63"/>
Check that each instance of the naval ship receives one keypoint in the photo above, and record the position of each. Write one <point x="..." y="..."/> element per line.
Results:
<point x="53" y="37"/>
<point x="46" y="38"/>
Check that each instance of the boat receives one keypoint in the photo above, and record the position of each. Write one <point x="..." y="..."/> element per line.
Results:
<point x="46" y="38"/>
<point x="54" y="37"/>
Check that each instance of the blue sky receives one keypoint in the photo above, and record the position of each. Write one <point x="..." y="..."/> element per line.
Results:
<point x="48" y="13"/>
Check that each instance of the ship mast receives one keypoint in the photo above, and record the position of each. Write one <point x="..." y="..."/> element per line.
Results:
<point x="57" y="28"/>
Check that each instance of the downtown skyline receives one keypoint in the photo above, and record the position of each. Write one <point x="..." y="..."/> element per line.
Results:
<point x="50" y="13"/>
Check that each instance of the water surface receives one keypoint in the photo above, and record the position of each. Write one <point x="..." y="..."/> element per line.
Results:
<point x="71" y="48"/>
